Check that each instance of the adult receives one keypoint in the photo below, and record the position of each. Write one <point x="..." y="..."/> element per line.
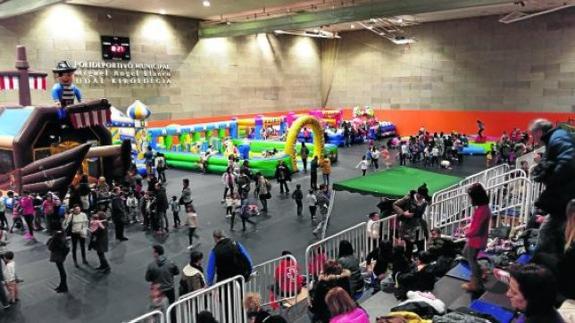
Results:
<point x="186" y="196"/>
<point x="382" y="255"/>
<point x="119" y="214"/>
<point x="229" y="181"/>
<point x="27" y="206"/>
<point x="283" y="175"/>
<point x="76" y="224"/>
<point x="162" y="205"/>
<point x="243" y="181"/>
<point x="325" y="165"/>
<point x="349" y="261"/>
<point x="375" y="157"/>
<point x="410" y="209"/>
<point x="313" y="166"/>
<point x="84" y="191"/>
<point x="162" y="271"/>
<point x="49" y="211"/>
<point x="227" y="259"/>
<point x="263" y="188"/>
<point x="333" y="276"/>
<point x="557" y="171"/>
<point x="161" y="166"/>
<point x="343" y="309"/>
<point x="533" y="291"/>
<point x="476" y="234"/>
<point x="403" y="153"/>
<point x="58" y="251"/>
<point x="3" y="220"/>
<point x="304" y="154"/>
<point x="4" y="302"/>
<point x="192" y="275"/>
<point x="566" y="266"/>
<point x="323" y="200"/>
<point x="99" y="240"/>
<point x="149" y="160"/>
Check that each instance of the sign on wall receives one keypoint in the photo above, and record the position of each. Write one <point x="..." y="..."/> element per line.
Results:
<point x="121" y="73"/>
<point x="115" y="48"/>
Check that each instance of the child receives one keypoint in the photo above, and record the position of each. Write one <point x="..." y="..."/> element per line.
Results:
<point x="175" y="206"/>
<point x="237" y="201"/>
<point x="10" y="276"/>
<point x="488" y="159"/>
<point x="386" y="157"/>
<point x="229" y="205"/>
<point x="312" y="204"/>
<point x="363" y="164"/>
<point x="192" y="223"/>
<point x="297" y="195"/>
<point x="132" y="204"/>
<point x="3" y="220"/>
<point x="159" y="301"/>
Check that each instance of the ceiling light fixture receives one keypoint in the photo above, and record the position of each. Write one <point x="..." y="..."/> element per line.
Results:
<point x="400" y="20"/>
<point x="206" y="3"/>
<point x="352" y="26"/>
<point x="162" y="12"/>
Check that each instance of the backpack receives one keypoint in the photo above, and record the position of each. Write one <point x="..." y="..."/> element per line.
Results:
<point x="241" y="262"/>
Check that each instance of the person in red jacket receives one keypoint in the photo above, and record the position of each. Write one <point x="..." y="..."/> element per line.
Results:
<point x="476" y="233"/>
<point x="287" y="276"/>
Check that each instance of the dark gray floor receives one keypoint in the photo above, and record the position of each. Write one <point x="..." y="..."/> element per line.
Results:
<point x="123" y="294"/>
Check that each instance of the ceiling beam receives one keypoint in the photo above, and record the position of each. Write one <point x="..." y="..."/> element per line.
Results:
<point x="374" y="9"/>
<point x="12" y="8"/>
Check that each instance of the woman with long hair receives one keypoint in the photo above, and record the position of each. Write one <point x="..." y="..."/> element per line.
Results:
<point x="567" y="267"/>
<point x="343" y="309"/>
<point x="476" y="233"/>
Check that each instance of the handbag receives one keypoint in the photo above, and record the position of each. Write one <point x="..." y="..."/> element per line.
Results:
<point x="69" y="226"/>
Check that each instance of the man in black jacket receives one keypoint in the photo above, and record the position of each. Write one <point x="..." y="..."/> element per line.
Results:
<point x="162" y="271"/>
<point x="227" y="259"/>
<point x="118" y="214"/>
<point x="557" y="171"/>
<point x="162" y="206"/>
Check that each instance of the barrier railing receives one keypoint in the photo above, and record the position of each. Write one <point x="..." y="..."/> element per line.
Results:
<point x="328" y="216"/>
<point x="223" y="300"/>
<point x="536" y="189"/>
<point x="151" y="317"/>
<point x="514" y="173"/>
<point x="529" y="157"/>
<point x="265" y="279"/>
<point x="387" y="229"/>
<point x="317" y="253"/>
<point x="509" y="201"/>
<point x="461" y="187"/>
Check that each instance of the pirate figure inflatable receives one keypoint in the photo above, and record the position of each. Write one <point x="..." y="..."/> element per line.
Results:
<point x="64" y="92"/>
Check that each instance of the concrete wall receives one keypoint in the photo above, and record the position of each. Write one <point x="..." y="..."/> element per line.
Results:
<point x="210" y="77"/>
<point x="462" y="64"/>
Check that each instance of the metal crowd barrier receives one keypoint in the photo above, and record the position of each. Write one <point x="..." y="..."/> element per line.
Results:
<point x="461" y="187"/>
<point x="264" y="279"/>
<point x="152" y="317"/>
<point x="388" y="229"/>
<point x="317" y="253"/>
<point x="536" y="189"/>
<point x="514" y="173"/>
<point x="224" y="300"/>
<point x="529" y="157"/>
<point x="509" y="200"/>
<point x="328" y="216"/>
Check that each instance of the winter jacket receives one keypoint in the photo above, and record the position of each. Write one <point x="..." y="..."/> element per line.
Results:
<point x="186" y="196"/>
<point x="478" y="231"/>
<point x="99" y="238"/>
<point x="352" y="264"/>
<point x="162" y="271"/>
<point x="313" y="166"/>
<point x="325" y="283"/>
<point x="58" y="250"/>
<point x="282" y="174"/>
<point x="162" y="203"/>
<point x="557" y="171"/>
<point x="27" y="205"/>
<point x="358" y="315"/>
<point x="192" y="280"/>
<point x="118" y="209"/>
<point x="287" y="277"/>
<point x="325" y="166"/>
<point x="223" y="260"/>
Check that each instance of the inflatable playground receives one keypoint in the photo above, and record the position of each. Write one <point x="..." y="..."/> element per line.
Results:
<point x="190" y="146"/>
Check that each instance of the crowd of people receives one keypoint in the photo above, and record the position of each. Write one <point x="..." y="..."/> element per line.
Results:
<point x="412" y="261"/>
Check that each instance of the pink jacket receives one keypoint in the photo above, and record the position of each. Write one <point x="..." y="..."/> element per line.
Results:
<point x="356" y="316"/>
<point x="479" y="229"/>
<point x="27" y="205"/>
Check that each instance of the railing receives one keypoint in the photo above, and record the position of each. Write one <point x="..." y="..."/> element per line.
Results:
<point x="509" y="201"/>
<point x="461" y="187"/>
<point x="152" y="317"/>
<point x="328" y="216"/>
<point x="529" y="157"/>
<point x="536" y="189"/>
<point x="264" y="279"/>
<point x="317" y="253"/>
<point x="514" y="173"/>
<point x="223" y="300"/>
<point x="387" y="229"/>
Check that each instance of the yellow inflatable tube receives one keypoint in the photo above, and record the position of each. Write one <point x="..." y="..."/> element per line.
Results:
<point x="294" y="130"/>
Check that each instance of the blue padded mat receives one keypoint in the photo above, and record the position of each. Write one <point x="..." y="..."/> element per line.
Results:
<point x="502" y="315"/>
<point x="461" y="271"/>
